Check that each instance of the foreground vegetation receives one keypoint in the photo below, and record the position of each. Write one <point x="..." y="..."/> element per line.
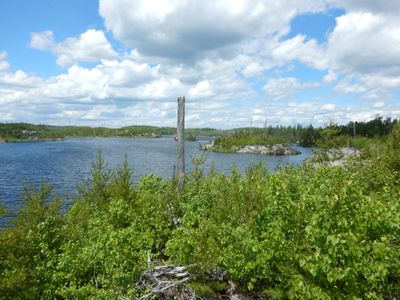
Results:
<point x="298" y="233"/>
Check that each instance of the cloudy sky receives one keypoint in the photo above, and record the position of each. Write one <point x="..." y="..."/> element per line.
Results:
<point x="121" y="62"/>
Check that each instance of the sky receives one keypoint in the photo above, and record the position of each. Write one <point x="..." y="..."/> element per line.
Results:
<point x="238" y="63"/>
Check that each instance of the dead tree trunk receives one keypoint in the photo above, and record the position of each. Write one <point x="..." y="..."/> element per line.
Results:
<point x="181" y="141"/>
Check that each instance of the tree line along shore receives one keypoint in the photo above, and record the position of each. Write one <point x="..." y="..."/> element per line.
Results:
<point x="225" y="141"/>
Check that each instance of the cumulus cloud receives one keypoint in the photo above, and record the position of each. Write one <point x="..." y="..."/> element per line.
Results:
<point x="186" y="29"/>
<point x="280" y="88"/>
<point x="285" y="87"/>
<point x="201" y="89"/>
<point x="347" y="86"/>
<point x="112" y="80"/>
<point x="328" y="107"/>
<point x="19" y="78"/>
<point x="16" y="79"/>
<point x="254" y="68"/>
<point x="303" y="50"/>
<point x="90" y="46"/>
<point x="365" y="43"/>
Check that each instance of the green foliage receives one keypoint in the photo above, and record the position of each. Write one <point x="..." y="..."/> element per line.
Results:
<point x="10" y="132"/>
<point x="298" y="233"/>
<point x="231" y="142"/>
<point x="207" y="289"/>
<point x="373" y="128"/>
<point x="29" y="248"/>
<point x="190" y="138"/>
<point x="3" y="211"/>
<point x="309" y="137"/>
<point x="330" y="138"/>
<point x="96" y="250"/>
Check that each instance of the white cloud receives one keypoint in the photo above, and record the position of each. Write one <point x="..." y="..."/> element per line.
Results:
<point x="18" y="79"/>
<point x="365" y="43"/>
<point x="100" y="112"/>
<point x="91" y="46"/>
<point x="254" y="68"/>
<point x="330" y="77"/>
<point x="42" y="40"/>
<point x="163" y="88"/>
<point x="378" y="104"/>
<point x="187" y="29"/>
<point x="280" y="88"/>
<point x="299" y="48"/>
<point x="347" y="86"/>
<point x="4" y="64"/>
<point x="381" y="81"/>
<point x="328" y="107"/>
<point x="285" y="87"/>
<point x="201" y="89"/>
<point x="381" y="6"/>
<point x="128" y="73"/>
<point x="111" y="80"/>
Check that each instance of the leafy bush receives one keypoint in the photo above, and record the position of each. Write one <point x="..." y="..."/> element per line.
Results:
<point x="298" y="233"/>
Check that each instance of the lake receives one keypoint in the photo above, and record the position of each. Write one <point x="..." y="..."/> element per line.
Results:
<point x="65" y="164"/>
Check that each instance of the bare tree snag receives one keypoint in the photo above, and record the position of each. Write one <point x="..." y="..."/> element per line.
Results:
<point x="181" y="141"/>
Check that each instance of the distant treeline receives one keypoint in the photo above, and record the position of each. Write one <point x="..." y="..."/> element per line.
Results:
<point x="11" y="132"/>
<point x="304" y="135"/>
<point x="377" y="127"/>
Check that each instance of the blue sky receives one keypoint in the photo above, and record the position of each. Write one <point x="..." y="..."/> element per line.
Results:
<point x="115" y="62"/>
<point x="19" y="18"/>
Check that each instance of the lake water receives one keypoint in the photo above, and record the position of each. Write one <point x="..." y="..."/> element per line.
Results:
<point x="65" y="164"/>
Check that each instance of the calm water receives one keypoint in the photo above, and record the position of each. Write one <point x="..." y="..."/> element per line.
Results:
<point x="67" y="163"/>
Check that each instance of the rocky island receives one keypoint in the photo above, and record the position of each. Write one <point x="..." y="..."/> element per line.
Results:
<point x="274" y="149"/>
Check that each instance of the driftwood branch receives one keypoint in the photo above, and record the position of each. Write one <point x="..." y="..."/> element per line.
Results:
<point x="162" y="279"/>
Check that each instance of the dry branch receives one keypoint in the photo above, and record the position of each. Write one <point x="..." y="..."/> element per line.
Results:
<point x="162" y="279"/>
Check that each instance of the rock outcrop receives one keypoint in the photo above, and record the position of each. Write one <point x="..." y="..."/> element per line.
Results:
<point x="277" y="149"/>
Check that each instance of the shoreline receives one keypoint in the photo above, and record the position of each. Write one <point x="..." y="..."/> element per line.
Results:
<point x="77" y="137"/>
